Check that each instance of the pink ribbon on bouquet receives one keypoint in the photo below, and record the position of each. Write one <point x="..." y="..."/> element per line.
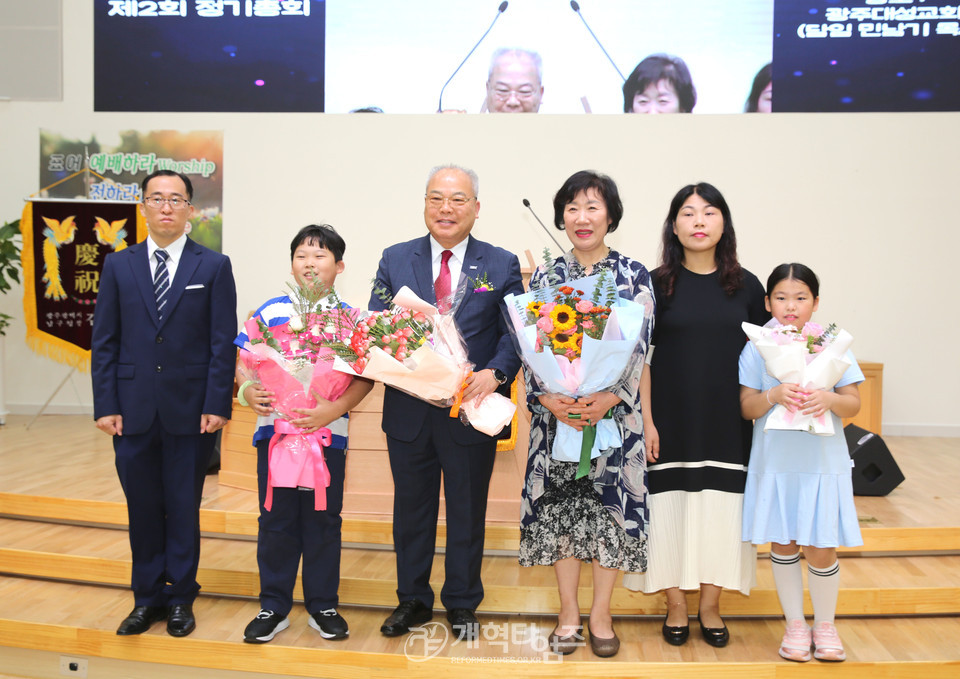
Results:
<point x="287" y="459"/>
<point x="571" y="373"/>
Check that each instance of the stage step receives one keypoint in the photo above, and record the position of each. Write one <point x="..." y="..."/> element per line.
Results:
<point x="43" y="621"/>
<point x="895" y="585"/>
<point x="369" y="531"/>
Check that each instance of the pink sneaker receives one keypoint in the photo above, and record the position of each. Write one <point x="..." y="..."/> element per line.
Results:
<point x="827" y="643"/>
<point x="796" y="642"/>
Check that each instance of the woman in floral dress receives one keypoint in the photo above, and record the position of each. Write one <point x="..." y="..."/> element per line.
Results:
<point x="600" y="518"/>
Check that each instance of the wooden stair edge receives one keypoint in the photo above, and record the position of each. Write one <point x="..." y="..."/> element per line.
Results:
<point x="278" y="659"/>
<point x="224" y="522"/>
<point x="380" y="532"/>
<point x="543" y="599"/>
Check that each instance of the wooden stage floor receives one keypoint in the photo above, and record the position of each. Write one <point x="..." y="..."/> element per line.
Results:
<point x="66" y="456"/>
<point x="63" y="586"/>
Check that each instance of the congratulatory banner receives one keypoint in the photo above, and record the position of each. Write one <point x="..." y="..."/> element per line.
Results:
<point x="64" y="243"/>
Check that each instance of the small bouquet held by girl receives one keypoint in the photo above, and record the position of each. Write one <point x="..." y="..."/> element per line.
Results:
<point x="415" y="348"/>
<point x="812" y="357"/>
<point x="578" y="338"/>
<point x="291" y="361"/>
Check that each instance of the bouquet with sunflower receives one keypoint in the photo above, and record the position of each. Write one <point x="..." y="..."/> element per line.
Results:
<point x="577" y="338"/>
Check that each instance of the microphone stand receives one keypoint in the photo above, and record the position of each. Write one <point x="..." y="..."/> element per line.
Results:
<point x="500" y="10"/>
<point x="526" y="204"/>
<point x="576" y="8"/>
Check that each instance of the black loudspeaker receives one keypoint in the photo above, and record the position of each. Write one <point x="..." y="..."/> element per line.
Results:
<point x="875" y="472"/>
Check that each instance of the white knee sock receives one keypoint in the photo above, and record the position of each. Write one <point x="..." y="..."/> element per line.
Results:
<point x="789" y="578"/>
<point x="824" y="587"/>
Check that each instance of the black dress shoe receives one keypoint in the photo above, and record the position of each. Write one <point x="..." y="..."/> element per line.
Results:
<point x="408" y="614"/>
<point x="675" y="636"/>
<point x="715" y="636"/>
<point x="181" y="621"/>
<point x="464" y="623"/>
<point x="140" y="619"/>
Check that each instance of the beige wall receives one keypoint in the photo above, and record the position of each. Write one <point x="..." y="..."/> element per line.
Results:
<point x="866" y="200"/>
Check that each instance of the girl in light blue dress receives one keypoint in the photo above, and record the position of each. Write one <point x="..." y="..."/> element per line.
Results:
<point x="799" y="489"/>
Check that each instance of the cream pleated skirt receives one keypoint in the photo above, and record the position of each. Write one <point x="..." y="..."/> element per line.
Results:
<point x="695" y="538"/>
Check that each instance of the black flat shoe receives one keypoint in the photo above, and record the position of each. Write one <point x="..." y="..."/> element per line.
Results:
<point x="181" y="621"/>
<point x="675" y="636"/>
<point x="408" y="614"/>
<point x="715" y="636"/>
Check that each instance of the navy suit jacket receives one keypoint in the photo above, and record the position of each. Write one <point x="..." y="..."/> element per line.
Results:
<point x="479" y="315"/>
<point x="179" y="368"/>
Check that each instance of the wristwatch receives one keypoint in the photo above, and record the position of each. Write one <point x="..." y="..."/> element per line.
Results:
<point x="499" y="376"/>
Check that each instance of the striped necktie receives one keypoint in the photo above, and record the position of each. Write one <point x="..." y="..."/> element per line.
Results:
<point x="161" y="281"/>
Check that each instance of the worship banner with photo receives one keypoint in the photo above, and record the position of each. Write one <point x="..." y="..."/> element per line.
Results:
<point x="120" y="159"/>
<point x="64" y="244"/>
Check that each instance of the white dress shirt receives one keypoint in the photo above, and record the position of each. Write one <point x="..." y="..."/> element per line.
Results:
<point x="174" y="250"/>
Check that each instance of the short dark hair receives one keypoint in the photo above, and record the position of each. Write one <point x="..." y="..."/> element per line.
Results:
<point x="794" y="271"/>
<point x="659" y="67"/>
<point x="321" y="235"/>
<point x="763" y="78"/>
<point x="725" y="254"/>
<point x="167" y="173"/>
<point x="580" y="182"/>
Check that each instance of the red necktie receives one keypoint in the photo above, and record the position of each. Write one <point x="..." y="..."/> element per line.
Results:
<point x="442" y="285"/>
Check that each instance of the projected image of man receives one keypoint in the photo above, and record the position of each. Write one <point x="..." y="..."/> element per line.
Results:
<point x="514" y="84"/>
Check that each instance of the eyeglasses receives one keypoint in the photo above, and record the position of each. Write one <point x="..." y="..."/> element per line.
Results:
<point x="157" y="202"/>
<point x="456" y="202"/>
<point x="523" y="94"/>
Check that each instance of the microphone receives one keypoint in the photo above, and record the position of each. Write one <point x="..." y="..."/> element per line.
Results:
<point x="526" y="204"/>
<point x="576" y="8"/>
<point x="500" y="10"/>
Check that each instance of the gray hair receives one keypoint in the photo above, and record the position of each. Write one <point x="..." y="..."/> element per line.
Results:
<point x="474" y="179"/>
<point x="517" y="52"/>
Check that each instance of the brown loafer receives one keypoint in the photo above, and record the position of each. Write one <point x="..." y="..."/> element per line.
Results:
<point x="565" y="645"/>
<point x="604" y="648"/>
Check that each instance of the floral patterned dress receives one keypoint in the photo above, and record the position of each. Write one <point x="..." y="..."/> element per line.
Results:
<point x="604" y="515"/>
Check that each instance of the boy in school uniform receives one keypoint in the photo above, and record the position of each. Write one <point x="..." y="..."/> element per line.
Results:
<point x="293" y="527"/>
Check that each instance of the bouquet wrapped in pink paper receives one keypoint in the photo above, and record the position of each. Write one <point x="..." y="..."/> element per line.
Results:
<point x="813" y="358"/>
<point x="415" y="348"/>
<point x="291" y="361"/>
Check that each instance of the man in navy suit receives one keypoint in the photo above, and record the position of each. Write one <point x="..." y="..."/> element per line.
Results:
<point x="423" y="441"/>
<point x="162" y="367"/>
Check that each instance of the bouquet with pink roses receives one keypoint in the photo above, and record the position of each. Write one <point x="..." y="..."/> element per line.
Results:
<point x="291" y="361"/>
<point x="415" y="348"/>
<point x="813" y="357"/>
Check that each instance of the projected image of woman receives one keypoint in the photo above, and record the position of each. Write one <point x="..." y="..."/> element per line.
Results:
<point x="661" y="83"/>
<point x="761" y="94"/>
